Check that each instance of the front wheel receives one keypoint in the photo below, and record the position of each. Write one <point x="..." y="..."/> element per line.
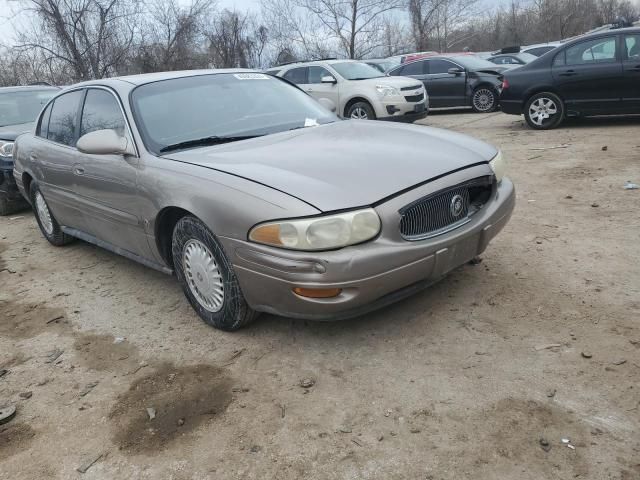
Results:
<point x="361" y="111"/>
<point x="484" y="100"/>
<point x="544" y="111"/>
<point x="207" y="276"/>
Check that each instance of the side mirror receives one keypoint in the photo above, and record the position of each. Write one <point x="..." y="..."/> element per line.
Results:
<point x="104" y="142"/>
<point x="328" y="104"/>
<point x="328" y="79"/>
<point x="454" y="71"/>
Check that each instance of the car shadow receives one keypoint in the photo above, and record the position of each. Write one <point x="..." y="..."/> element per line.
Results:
<point x="602" y="121"/>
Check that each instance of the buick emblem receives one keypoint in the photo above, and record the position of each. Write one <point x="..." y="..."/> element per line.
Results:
<point x="457" y="205"/>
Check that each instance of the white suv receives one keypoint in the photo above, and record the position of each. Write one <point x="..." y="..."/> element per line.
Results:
<point x="358" y="90"/>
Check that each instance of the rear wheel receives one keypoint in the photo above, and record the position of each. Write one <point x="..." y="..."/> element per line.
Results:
<point x="544" y="111"/>
<point x="49" y="226"/>
<point x="484" y="100"/>
<point x="361" y="111"/>
<point x="207" y="276"/>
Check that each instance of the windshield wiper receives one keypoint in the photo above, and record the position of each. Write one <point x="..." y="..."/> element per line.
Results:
<point x="201" y="142"/>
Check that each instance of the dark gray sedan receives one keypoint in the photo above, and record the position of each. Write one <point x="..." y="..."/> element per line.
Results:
<point x="257" y="197"/>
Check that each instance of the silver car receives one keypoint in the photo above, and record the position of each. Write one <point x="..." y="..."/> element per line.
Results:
<point x="255" y="196"/>
<point x="359" y="90"/>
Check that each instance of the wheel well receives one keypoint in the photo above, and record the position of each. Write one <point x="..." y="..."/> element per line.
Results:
<point x="355" y="100"/>
<point x="541" y="90"/>
<point x="487" y="85"/>
<point x="164" y="225"/>
<point x="26" y="182"/>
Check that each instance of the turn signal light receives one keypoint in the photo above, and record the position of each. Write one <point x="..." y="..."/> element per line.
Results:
<point x="317" y="292"/>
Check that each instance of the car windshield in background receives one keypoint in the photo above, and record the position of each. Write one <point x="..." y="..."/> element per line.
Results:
<point x="526" y="57"/>
<point x="474" y="63"/>
<point x="207" y="109"/>
<point x="22" y="107"/>
<point x="356" y="70"/>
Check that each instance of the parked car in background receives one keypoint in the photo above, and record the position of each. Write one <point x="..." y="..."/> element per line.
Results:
<point x="597" y="74"/>
<point x="539" y="49"/>
<point x="457" y="81"/>
<point x="256" y="197"/>
<point x="382" y="64"/>
<point x="512" y="59"/>
<point x="19" y="107"/>
<point x="358" y="90"/>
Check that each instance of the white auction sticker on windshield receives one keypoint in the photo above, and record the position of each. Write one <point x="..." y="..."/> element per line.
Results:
<point x="251" y="76"/>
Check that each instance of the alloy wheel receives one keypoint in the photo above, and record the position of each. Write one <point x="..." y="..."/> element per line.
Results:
<point x="203" y="275"/>
<point x="542" y="110"/>
<point x="484" y="100"/>
<point x="359" y="113"/>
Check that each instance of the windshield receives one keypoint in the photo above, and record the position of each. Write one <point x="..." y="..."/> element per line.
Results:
<point x="240" y="105"/>
<point x="356" y="70"/>
<point x="473" y="63"/>
<point x="22" y="106"/>
<point x="526" y="57"/>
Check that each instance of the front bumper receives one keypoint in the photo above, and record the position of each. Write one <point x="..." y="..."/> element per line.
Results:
<point x="8" y="187"/>
<point x="373" y="274"/>
<point x="402" y="111"/>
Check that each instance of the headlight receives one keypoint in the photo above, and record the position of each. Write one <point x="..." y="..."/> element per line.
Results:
<point x="319" y="233"/>
<point x="499" y="166"/>
<point x="6" y="149"/>
<point x="387" y="91"/>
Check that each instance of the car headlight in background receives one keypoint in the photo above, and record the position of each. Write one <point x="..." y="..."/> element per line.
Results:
<point x="6" y="149"/>
<point x="387" y="91"/>
<point x="499" y="166"/>
<point x="319" y="233"/>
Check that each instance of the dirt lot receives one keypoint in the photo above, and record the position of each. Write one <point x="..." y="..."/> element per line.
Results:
<point x="539" y="341"/>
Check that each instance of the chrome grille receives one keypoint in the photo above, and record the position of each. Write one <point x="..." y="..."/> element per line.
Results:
<point x="445" y="210"/>
<point x="412" y="87"/>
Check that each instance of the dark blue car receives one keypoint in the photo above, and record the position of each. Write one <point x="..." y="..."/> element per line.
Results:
<point x="19" y="106"/>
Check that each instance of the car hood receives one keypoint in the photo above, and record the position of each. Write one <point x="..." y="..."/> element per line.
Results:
<point x="11" y="132"/>
<point x="345" y="164"/>
<point x="398" y="82"/>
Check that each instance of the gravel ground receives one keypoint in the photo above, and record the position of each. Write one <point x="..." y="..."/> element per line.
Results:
<point x="471" y="379"/>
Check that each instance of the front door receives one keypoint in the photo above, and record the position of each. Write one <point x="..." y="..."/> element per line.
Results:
<point x="589" y="76"/>
<point x="317" y="89"/>
<point x="107" y="184"/>
<point x="445" y="89"/>
<point x="631" y="67"/>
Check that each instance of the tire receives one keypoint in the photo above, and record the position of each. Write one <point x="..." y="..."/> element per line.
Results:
<point x="207" y="277"/>
<point x="49" y="226"/>
<point x="544" y="111"/>
<point x="484" y="99"/>
<point x="361" y="111"/>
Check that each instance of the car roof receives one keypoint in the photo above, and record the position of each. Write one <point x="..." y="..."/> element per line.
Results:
<point x="27" y="88"/>
<point x="143" y="78"/>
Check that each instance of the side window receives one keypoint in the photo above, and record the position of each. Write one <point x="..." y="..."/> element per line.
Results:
<point x="101" y="111"/>
<point x="415" y="68"/>
<point x="64" y="118"/>
<point x="316" y="74"/>
<point x="297" y="75"/>
<point x="440" y="66"/>
<point x="43" y="126"/>
<point x="600" y="50"/>
<point x="558" y="60"/>
<point x="632" y="44"/>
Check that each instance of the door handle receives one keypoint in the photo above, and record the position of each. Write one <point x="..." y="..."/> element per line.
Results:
<point x="78" y="171"/>
<point x="568" y="73"/>
<point x="636" y="68"/>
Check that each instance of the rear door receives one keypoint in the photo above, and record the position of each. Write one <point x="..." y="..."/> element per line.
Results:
<point x="54" y="155"/>
<point x="107" y="184"/>
<point x="631" y="68"/>
<point x="313" y="84"/>
<point x="589" y="75"/>
<point x="445" y="89"/>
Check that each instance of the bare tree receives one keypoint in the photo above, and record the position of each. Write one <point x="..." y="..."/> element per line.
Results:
<point x="423" y="16"/>
<point x="84" y="38"/>
<point x="172" y="36"/>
